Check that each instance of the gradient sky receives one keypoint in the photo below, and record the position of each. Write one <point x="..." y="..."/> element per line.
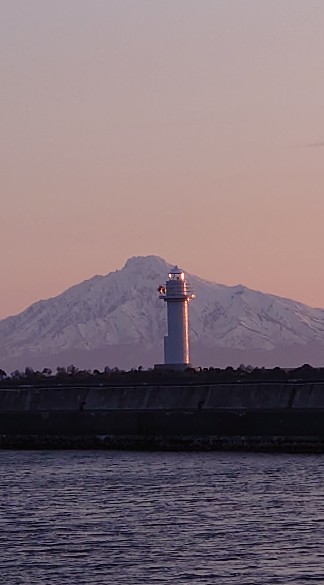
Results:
<point x="191" y="129"/>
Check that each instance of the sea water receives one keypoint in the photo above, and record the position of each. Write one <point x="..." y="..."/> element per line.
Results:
<point x="140" y="518"/>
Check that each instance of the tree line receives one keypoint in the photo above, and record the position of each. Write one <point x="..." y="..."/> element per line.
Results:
<point x="74" y="376"/>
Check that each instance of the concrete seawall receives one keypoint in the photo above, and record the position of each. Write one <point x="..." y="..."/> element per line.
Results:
<point x="265" y="417"/>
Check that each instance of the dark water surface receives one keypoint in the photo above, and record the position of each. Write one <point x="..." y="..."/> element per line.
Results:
<point x="82" y="517"/>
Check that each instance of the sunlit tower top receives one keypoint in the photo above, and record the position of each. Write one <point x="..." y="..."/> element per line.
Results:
<point x="177" y="294"/>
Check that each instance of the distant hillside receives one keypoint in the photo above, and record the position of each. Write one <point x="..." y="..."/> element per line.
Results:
<point x="118" y="319"/>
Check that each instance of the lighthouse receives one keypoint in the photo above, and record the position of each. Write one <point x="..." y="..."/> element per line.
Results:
<point x="176" y="293"/>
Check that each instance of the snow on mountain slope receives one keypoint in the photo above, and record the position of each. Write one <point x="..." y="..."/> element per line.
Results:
<point x="123" y="308"/>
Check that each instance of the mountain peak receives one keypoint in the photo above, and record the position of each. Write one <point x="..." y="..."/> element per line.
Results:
<point x="145" y="262"/>
<point x="107" y="314"/>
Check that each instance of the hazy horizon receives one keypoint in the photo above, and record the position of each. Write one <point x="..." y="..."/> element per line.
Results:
<point x="189" y="129"/>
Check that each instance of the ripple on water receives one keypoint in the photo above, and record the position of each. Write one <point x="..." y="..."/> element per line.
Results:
<point x="132" y="518"/>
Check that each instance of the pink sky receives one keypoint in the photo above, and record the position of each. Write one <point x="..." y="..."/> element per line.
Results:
<point x="191" y="129"/>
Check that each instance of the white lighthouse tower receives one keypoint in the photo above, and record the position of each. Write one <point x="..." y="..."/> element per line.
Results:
<point x="176" y="293"/>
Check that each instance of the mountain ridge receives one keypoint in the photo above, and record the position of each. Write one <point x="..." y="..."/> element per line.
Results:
<point x="122" y="309"/>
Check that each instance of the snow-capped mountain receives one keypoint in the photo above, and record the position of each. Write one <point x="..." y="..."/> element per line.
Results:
<point x="120" y="317"/>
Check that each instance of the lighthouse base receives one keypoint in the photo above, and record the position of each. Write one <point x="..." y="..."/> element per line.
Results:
<point x="172" y="367"/>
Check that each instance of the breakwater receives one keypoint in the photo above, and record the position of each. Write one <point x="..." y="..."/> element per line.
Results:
<point x="261" y="416"/>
